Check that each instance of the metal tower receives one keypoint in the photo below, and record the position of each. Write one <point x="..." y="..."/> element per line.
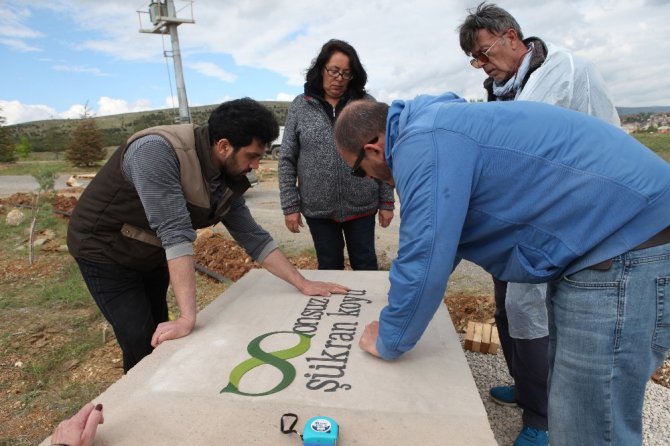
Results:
<point x="163" y="20"/>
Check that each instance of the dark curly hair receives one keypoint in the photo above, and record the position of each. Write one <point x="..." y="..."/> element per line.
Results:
<point x="314" y="77"/>
<point x="242" y="120"/>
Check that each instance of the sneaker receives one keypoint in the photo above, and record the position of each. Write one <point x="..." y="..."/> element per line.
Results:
<point x="532" y="437"/>
<point x="504" y="395"/>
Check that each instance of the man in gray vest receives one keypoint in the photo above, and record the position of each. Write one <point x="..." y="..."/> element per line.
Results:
<point x="133" y="228"/>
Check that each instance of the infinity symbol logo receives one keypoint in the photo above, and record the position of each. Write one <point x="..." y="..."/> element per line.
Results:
<point x="276" y="359"/>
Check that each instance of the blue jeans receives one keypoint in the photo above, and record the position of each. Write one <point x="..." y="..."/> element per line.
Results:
<point x="329" y="237"/>
<point x="133" y="302"/>
<point x="608" y="330"/>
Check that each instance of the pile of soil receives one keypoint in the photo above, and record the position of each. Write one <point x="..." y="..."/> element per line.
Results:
<point x="64" y="204"/>
<point x="222" y="255"/>
<point x="225" y="257"/>
<point x="18" y="200"/>
<point x="465" y="307"/>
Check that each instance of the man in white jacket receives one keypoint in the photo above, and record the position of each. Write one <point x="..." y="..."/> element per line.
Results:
<point x="532" y="70"/>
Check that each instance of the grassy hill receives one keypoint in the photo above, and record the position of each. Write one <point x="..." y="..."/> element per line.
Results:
<point x="53" y="135"/>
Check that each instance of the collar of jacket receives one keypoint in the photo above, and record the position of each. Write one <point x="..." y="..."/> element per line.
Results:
<point x="331" y="112"/>
<point x="204" y="149"/>
<point x="538" y="58"/>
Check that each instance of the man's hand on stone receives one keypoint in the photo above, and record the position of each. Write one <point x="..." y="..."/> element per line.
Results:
<point x="368" y="340"/>
<point x="315" y="288"/>
<point x="172" y="330"/>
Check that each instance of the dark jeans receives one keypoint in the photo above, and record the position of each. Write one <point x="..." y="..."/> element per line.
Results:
<point x="133" y="302"/>
<point x="329" y="237"/>
<point x="528" y="363"/>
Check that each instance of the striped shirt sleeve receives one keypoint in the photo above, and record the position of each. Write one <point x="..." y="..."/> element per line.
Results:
<point x="152" y="166"/>
<point x="255" y="240"/>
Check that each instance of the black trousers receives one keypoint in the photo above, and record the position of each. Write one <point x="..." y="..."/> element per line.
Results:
<point x="133" y="302"/>
<point x="528" y="363"/>
<point x="329" y="238"/>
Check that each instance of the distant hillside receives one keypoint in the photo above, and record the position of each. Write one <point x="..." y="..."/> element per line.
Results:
<point x="623" y="111"/>
<point x="53" y="135"/>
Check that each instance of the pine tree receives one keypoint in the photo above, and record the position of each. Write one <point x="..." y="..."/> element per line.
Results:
<point x="86" y="147"/>
<point x="24" y="147"/>
<point x="7" y="154"/>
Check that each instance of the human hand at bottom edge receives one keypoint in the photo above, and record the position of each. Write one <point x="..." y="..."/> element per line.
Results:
<point x="80" y="429"/>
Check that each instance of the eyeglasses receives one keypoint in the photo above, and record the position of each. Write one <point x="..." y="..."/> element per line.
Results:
<point x="356" y="169"/>
<point x="483" y="58"/>
<point x="334" y="73"/>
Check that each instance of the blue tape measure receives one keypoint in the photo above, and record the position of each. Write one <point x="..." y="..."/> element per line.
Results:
<point x="318" y="431"/>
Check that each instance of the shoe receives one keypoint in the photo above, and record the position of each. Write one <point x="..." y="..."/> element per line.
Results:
<point x="504" y="395"/>
<point x="532" y="437"/>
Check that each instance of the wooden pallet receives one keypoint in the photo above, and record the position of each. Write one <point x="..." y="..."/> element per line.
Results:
<point x="482" y="337"/>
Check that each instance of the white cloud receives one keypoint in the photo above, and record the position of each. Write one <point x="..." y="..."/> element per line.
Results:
<point x="407" y="48"/>
<point x="16" y="112"/>
<point x="19" y="45"/>
<point x="79" y="69"/>
<point x="212" y="70"/>
<point x="76" y="111"/>
<point x="172" y="101"/>
<point x="109" y="106"/>
<point x="13" y="30"/>
<point x="12" y="22"/>
<point x="285" y="97"/>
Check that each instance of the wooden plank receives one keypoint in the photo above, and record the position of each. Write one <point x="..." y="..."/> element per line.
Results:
<point x="470" y="333"/>
<point x="495" y="341"/>
<point x="486" y="338"/>
<point x="477" y="339"/>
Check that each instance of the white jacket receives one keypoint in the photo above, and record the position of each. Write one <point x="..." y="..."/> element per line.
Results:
<point x="571" y="82"/>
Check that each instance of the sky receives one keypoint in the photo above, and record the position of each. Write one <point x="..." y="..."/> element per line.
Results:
<point x="59" y="56"/>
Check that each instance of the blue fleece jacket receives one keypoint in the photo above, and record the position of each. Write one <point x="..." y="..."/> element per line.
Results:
<point x="528" y="191"/>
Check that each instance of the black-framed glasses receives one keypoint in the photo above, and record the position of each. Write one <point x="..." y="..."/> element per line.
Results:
<point x="356" y="169"/>
<point x="334" y="73"/>
<point x="483" y="58"/>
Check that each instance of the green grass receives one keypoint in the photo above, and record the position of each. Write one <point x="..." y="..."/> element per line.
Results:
<point x="658" y="142"/>
<point x="52" y="161"/>
<point x="11" y="237"/>
<point x="29" y="167"/>
<point x="68" y="290"/>
<point x="45" y="373"/>
<point x="83" y="340"/>
<point x="64" y="289"/>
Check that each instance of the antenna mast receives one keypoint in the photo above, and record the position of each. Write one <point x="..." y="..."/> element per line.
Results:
<point x="163" y="17"/>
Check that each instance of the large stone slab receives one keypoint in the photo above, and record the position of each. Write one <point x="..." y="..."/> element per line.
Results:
<point x="223" y="385"/>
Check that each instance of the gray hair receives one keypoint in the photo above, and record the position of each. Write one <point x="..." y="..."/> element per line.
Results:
<point x="489" y="17"/>
<point x="360" y="122"/>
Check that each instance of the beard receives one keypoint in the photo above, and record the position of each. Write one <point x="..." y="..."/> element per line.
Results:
<point x="232" y="169"/>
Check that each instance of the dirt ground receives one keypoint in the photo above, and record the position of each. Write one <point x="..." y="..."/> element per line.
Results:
<point x="31" y="331"/>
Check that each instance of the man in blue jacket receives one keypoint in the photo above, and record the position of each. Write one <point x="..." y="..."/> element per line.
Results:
<point x="532" y="193"/>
